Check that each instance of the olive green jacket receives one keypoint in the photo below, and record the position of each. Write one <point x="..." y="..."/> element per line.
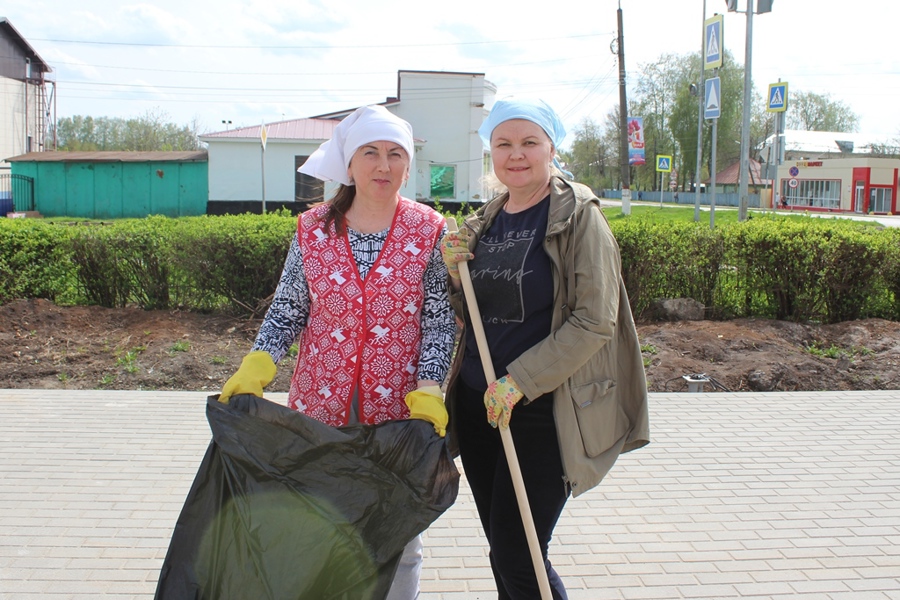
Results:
<point x="592" y="359"/>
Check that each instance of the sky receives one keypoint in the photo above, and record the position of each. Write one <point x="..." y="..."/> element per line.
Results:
<point x="222" y="64"/>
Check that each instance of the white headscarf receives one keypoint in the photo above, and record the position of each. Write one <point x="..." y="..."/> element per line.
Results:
<point x="366" y="124"/>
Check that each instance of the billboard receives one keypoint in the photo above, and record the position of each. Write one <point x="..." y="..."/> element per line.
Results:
<point x="636" y="141"/>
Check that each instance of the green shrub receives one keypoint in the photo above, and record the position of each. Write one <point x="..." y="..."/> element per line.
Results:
<point x="885" y="300"/>
<point x="850" y="276"/>
<point x="34" y="261"/>
<point x="235" y="260"/>
<point x="779" y="267"/>
<point x="95" y="251"/>
<point x="798" y="269"/>
<point x="668" y="260"/>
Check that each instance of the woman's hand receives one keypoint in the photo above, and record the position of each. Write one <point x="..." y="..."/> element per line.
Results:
<point x="499" y="400"/>
<point x="455" y="249"/>
<point x="427" y="403"/>
<point x="257" y="370"/>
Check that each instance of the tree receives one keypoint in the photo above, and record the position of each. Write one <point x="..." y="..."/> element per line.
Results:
<point x="670" y="114"/>
<point x="809" y="111"/>
<point x="662" y="97"/>
<point x="654" y="99"/>
<point x="610" y="141"/>
<point x="590" y="159"/>
<point x="149" y="132"/>
<point x="889" y="150"/>
<point x="762" y="126"/>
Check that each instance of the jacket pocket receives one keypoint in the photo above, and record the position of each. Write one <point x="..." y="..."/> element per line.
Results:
<point x="601" y="420"/>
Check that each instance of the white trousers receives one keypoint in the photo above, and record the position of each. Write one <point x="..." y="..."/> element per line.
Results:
<point x="406" y="580"/>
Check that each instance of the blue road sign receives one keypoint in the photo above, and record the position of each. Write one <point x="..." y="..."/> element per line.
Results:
<point x="713" y="46"/>
<point x="778" y="93"/>
<point x="712" y="104"/>
<point x="663" y="163"/>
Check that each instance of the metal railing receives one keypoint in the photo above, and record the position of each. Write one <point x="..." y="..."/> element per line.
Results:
<point x="16" y="193"/>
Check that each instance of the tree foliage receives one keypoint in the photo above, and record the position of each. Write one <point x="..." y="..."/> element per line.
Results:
<point x="662" y="96"/>
<point x="592" y="157"/>
<point x="810" y="111"/>
<point x="149" y="132"/>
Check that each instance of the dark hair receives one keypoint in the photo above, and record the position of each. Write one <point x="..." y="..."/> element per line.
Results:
<point x="338" y="205"/>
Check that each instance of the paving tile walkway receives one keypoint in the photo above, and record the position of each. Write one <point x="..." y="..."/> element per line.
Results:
<point x="749" y="496"/>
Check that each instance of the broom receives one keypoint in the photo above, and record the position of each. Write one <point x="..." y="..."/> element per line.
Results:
<point x="509" y="447"/>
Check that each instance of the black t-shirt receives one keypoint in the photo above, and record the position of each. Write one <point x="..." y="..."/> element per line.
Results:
<point x="513" y="283"/>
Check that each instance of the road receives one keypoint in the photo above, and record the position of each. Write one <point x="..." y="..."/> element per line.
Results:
<point x="885" y="220"/>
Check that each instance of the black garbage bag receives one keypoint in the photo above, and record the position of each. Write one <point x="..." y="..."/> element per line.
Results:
<point x="285" y="507"/>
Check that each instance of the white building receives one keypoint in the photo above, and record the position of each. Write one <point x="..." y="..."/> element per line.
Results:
<point x="24" y="100"/>
<point x="445" y="110"/>
<point x="834" y="171"/>
<point x="816" y="145"/>
<point x="858" y="184"/>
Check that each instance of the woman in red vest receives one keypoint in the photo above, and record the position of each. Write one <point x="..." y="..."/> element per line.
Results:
<point x="363" y="293"/>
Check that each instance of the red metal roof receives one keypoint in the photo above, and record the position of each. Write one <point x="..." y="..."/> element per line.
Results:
<point x="730" y="175"/>
<point x="313" y="129"/>
<point x="295" y="129"/>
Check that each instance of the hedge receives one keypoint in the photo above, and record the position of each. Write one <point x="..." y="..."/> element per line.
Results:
<point x="801" y="270"/>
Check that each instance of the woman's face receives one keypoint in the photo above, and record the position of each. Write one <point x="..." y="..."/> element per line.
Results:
<point x="521" y="153"/>
<point x="379" y="170"/>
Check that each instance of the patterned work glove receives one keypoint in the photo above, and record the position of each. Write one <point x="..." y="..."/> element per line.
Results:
<point x="257" y="370"/>
<point x="427" y="403"/>
<point x="499" y="400"/>
<point x="454" y="249"/>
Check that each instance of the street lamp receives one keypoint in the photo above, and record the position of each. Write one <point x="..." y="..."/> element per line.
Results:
<point x="226" y="123"/>
<point x="763" y="6"/>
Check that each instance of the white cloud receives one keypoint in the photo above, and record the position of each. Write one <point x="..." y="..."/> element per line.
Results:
<point x="258" y="60"/>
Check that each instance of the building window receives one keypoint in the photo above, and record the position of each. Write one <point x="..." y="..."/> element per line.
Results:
<point x="880" y="199"/>
<point x="818" y="193"/>
<point x="306" y="188"/>
<point x="443" y="181"/>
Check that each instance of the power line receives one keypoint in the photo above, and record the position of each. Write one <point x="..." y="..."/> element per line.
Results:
<point x="312" y="47"/>
<point x="295" y="73"/>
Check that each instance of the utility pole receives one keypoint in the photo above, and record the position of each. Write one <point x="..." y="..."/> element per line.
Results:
<point x="701" y="99"/>
<point x="762" y="6"/>
<point x="713" y="54"/>
<point x="745" y="122"/>
<point x="623" y="120"/>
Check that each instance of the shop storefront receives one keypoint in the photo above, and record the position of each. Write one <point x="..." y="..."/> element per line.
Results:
<point x="863" y="185"/>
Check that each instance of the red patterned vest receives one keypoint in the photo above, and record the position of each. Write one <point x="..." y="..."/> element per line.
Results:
<point x="362" y="335"/>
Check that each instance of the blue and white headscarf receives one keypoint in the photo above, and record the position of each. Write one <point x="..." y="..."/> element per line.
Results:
<point x="536" y="111"/>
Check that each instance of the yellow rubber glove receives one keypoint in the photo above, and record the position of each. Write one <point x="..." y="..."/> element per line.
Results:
<point x="427" y="403"/>
<point x="454" y="249"/>
<point x="257" y="370"/>
<point x="499" y="400"/>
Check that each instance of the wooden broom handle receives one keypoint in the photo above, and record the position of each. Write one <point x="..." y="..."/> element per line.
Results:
<point x="509" y="448"/>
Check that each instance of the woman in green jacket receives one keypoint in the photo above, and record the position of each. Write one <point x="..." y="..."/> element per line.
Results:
<point x="547" y="278"/>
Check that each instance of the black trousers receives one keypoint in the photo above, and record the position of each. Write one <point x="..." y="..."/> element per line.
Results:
<point x="487" y="471"/>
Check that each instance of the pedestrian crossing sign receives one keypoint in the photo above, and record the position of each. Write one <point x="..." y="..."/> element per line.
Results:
<point x="712" y="43"/>
<point x="777" y="97"/>
<point x="663" y="163"/>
